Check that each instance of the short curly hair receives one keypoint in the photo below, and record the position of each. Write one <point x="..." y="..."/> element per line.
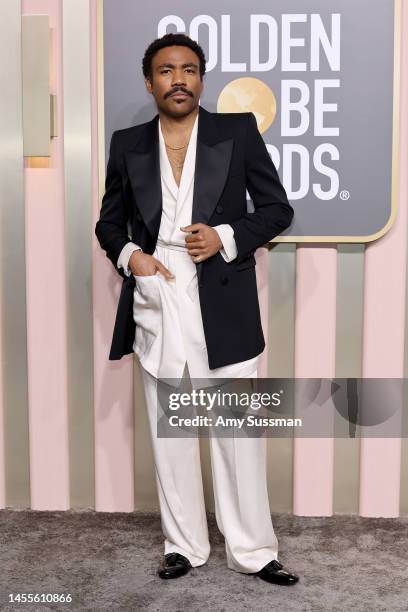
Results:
<point x="166" y="41"/>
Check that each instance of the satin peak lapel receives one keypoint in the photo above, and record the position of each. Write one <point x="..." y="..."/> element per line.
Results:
<point x="211" y="171"/>
<point x="143" y="167"/>
<point x="213" y="157"/>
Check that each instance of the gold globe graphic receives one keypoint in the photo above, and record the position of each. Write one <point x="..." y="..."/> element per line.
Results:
<point x="248" y="94"/>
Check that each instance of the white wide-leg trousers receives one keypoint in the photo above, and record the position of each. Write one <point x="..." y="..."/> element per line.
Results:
<point x="240" y="490"/>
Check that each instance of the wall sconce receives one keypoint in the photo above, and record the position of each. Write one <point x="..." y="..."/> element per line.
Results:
<point x="39" y="106"/>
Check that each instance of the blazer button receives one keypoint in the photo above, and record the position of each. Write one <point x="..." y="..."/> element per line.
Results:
<point x="224" y="280"/>
<point x="219" y="209"/>
<point x="138" y="216"/>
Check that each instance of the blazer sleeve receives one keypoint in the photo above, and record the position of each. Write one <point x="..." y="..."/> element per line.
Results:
<point x="111" y="228"/>
<point x="272" y="213"/>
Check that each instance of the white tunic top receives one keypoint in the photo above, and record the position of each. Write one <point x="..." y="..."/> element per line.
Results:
<point x="169" y="328"/>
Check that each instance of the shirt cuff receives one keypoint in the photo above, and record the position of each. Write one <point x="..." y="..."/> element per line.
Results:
<point x="123" y="259"/>
<point x="226" y="234"/>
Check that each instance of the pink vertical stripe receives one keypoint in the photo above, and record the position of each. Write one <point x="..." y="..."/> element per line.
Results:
<point x="384" y="323"/>
<point x="315" y="333"/>
<point x="113" y="391"/>
<point x="46" y="303"/>
<point x="262" y="260"/>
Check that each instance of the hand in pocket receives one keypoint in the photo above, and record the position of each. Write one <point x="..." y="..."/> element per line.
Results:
<point x="142" y="264"/>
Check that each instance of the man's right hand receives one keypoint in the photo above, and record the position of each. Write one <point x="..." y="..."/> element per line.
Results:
<point x="142" y="264"/>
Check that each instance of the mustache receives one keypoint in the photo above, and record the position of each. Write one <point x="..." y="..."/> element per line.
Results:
<point x="176" y="89"/>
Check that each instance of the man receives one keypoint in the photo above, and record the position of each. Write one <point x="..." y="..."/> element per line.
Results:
<point x="189" y="301"/>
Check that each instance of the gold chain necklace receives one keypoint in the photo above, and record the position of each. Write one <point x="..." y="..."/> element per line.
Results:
<point x="175" y="148"/>
<point x="178" y="163"/>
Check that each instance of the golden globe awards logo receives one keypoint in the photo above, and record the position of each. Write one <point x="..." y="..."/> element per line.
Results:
<point x="321" y="80"/>
<point x="306" y="107"/>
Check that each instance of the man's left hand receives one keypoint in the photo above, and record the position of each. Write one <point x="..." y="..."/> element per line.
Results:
<point x="202" y="241"/>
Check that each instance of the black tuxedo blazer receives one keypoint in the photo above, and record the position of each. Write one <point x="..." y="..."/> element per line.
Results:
<point x="231" y="157"/>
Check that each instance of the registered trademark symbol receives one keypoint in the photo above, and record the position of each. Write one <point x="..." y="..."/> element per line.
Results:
<point x="344" y="195"/>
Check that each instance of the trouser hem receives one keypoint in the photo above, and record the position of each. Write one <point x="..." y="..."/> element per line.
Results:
<point x="195" y="561"/>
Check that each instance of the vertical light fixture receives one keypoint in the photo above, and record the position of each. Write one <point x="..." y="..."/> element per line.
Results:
<point x="39" y="120"/>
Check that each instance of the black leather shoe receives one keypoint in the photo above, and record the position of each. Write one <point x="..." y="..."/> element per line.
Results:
<point x="174" y="565"/>
<point x="274" y="572"/>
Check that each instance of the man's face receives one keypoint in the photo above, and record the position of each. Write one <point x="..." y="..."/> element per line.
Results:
<point x="175" y="69"/>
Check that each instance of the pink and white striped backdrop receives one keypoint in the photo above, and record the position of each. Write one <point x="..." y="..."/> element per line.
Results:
<point x="112" y="469"/>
